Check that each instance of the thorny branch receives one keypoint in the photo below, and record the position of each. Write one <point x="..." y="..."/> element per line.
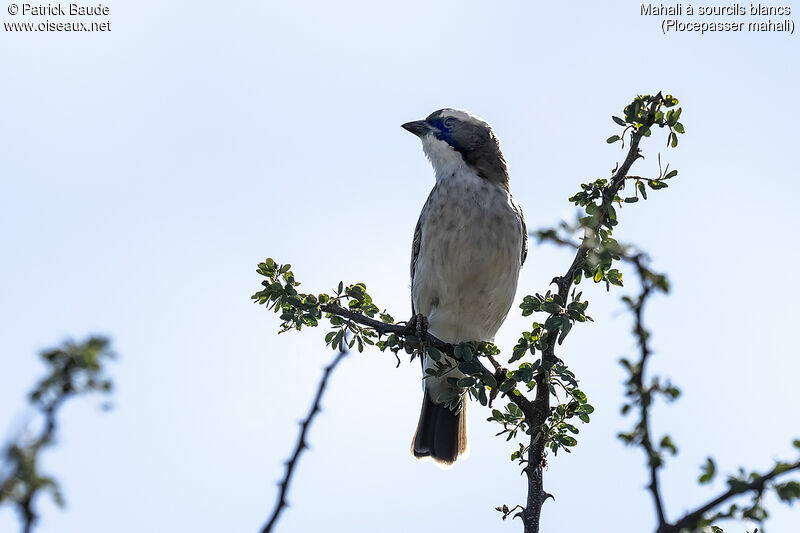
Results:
<point x="302" y="444"/>
<point x="691" y="520"/>
<point x="541" y="404"/>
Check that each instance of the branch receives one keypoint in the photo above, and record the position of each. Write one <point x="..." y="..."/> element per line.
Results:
<point x="653" y="458"/>
<point x="74" y="369"/>
<point x="428" y="339"/>
<point x="301" y="441"/>
<point x="691" y="520"/>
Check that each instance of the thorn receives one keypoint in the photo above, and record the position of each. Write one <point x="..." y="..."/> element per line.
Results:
<point x="548" y="495"/>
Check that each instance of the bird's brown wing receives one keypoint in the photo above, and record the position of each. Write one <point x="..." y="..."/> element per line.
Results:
<point x="524" y="251"/>
<point x="415" y="245"/>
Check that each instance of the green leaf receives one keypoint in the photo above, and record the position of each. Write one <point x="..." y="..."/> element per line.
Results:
<point x="618" y="121"/>
<point x="519" y="352"/>
<point x="614" y="276"/>
<point x="433" y="353"/>
<point x="673" y="139"/>
<point x="566" y="440"/>
<point x="642" y="190"/>
<point x="463" y="352"/>
<point x="667" y="444"/>
<point x="482" y="398"/>
<point x="566" y="326"/>
<point x="553" y="322"/>
<point x="789" y="491"/>
<point x="709" y="471"/>
<point x="507" y="385"/>
<point x="613" y="139"/>
<point x="469" y="367"/>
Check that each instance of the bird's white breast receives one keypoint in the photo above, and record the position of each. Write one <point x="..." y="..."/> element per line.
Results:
<point x="469" y="259"/>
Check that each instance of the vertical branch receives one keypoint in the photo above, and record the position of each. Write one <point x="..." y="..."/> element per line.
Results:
<point x="302" y="444"/>
<point x="538" y="415"/>
<point x="644" y="394"/>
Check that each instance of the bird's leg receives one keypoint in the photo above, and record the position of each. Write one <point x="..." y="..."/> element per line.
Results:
<point x="421" y="326"/>
<point x="499" y="376"/>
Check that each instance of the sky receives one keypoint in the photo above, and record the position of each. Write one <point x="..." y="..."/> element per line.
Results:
<point x="145" y="171"/>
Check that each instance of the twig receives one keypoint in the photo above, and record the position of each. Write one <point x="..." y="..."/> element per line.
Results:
<point x="301" y="441"/>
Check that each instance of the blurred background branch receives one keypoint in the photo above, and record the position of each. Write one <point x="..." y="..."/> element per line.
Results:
<point x="640" y="395"/>
<point x="74" y="369"/>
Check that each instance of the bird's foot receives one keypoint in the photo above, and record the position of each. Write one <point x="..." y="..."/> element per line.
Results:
<point x="418" y="326"/>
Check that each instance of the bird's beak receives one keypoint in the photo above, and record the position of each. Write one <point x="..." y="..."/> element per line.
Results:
<point x="418" y="127"/>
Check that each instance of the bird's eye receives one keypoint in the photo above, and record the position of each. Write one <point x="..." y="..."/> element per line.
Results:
<point x="449" y="122"/>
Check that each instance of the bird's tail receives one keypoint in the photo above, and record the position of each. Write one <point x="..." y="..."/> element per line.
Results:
<point x="441" y="433"/>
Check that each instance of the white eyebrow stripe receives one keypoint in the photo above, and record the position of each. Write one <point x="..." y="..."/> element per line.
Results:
<point x="463" y="116"/>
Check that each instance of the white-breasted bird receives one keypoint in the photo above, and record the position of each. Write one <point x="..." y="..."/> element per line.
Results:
<point x="469" y="245"/>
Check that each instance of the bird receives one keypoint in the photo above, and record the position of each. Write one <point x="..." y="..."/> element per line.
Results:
<point x="469" y="245"/>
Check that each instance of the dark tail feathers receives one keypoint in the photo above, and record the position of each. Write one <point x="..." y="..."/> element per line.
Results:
<point x="441" y="433"/>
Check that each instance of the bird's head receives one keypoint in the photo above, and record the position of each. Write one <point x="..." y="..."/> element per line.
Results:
<point x="454" y="139"/>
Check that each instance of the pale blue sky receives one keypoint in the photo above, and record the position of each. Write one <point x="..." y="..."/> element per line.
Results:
<point x="146" y="171"/>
